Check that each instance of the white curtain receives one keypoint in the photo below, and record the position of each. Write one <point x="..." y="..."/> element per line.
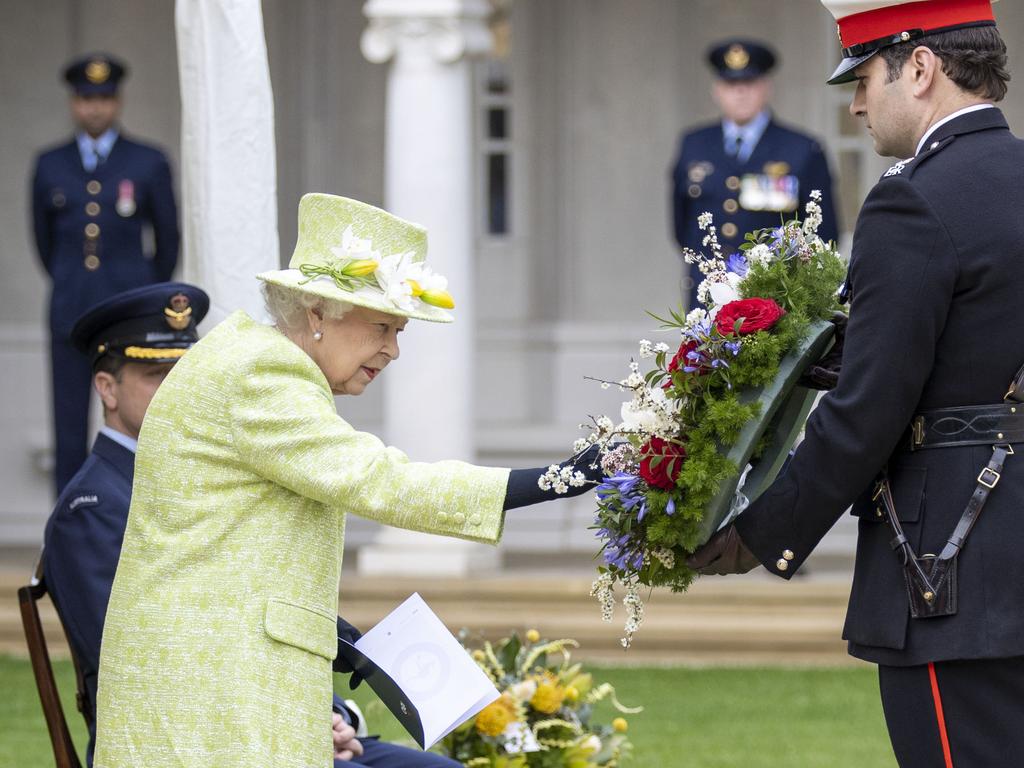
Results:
<point x="229" y="173"/>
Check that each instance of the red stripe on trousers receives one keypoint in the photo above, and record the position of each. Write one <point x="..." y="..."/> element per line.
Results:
<point x="939" y="716"/>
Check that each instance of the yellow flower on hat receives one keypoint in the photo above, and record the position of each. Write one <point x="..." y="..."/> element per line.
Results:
<point x="620" y="724"/>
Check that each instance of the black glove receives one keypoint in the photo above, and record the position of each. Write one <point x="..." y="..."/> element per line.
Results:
<point x="347" y="632"/>
<point x="724" y="553"/>
<point x="824" y="374"/>
<point x="523" y="490"/>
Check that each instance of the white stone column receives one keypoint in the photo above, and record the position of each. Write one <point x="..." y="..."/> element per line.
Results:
<point x="428" y="179"/>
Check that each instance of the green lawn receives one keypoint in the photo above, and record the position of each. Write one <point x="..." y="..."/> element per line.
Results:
<point x="694" y="718"/>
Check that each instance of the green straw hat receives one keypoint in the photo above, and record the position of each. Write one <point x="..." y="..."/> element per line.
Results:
<point x="353" y="252"/>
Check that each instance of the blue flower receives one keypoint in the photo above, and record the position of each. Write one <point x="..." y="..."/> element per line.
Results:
<point x="737" y="264"/>
<point x="670" y="508"/>
<point x="733" y="347"/>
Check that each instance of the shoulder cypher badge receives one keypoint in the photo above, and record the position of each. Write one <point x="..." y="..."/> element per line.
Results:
<point x="897" y="169"/>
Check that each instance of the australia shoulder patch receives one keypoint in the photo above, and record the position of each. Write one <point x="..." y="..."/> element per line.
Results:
<point x="83" y="500"/>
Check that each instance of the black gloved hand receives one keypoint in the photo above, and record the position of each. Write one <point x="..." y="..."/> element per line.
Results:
<point x="824" y="374"/>
<point x="523" y="488"/>
<point x="347" y="632"/>
<point x="724" y="553"/>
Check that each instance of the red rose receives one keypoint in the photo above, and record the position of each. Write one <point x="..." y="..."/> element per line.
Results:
<point x="668" y="458"/>
<point x="680" y="360"/>
<point x="756" y="314"/>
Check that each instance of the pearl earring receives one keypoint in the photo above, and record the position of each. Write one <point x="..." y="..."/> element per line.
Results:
<point x="318" y="335"/>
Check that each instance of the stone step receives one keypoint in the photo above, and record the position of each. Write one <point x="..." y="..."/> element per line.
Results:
<point x="752" y="619"/>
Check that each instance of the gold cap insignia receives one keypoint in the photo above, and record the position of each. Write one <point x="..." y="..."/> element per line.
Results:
<point x="97" y="71"/>
<point x="179" y="313"/>
<point x="736" y="57"/>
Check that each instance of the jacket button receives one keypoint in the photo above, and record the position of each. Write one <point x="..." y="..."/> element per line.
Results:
<point x="733" y="182"/>
<point x="788" y="554"/>
<point x="782" y="565"/>
<point x="92" y="208"/>
<point x="459" y="518"/>
<point x="92" y="230"/>
<point x="93" y="187"/>
<point x="474" y="520"/>
<point x="731" y="206"/>
<point x="92" y="262"/>
<point x="729" y="229"/>
<point x="694" y="190"/>
<point x="442" y="517"/>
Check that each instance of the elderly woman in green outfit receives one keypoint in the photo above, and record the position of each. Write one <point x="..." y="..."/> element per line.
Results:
<point x="221" y="629"/>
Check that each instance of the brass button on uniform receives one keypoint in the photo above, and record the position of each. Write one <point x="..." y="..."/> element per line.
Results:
<point x="733" y="183"/>
<point x="92" y="230"/>
<point x="93" y="187"/>
<point x="92" y="262"/>
<point x="729" y="229"/>
<point x="782" y="565"/>
<point x="788" y="554"/>
<point x="92" y="208"/>
<point x="694" y="190"/>
<point x="731" y="206"/>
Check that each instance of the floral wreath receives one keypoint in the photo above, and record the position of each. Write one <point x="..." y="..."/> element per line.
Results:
<point x="666" y="459"/>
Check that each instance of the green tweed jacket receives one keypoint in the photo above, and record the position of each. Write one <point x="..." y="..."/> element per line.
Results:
<point x="220" y="631"/>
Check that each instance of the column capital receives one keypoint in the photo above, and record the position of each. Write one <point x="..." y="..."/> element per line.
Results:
<point x="440" y="30"/>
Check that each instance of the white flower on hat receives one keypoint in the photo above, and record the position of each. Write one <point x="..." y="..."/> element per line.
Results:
<point x="393" y="275"/>
<point x="353" y="247"/>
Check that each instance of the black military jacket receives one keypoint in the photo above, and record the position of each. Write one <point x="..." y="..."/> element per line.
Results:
<point x="937" y="276"/>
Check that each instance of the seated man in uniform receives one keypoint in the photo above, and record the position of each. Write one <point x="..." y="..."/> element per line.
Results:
<point x="133" y="340"/>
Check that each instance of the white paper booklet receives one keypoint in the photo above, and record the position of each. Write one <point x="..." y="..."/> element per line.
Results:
<point x="430" y="667"/>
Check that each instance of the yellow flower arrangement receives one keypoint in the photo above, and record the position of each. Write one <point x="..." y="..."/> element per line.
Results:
<point x="544" y="716"/>
<point x="497" y="716"/>
<point x="549" y="695"/>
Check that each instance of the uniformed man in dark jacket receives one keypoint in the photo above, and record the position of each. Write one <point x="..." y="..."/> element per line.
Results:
<point x="924" y="400"/>
<point x="97" y="201"/>
<point x="746" y="169"/>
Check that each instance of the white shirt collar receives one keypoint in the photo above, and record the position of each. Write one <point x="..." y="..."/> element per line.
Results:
<point x="946" y="119"/>
<point x="120" y="438"/>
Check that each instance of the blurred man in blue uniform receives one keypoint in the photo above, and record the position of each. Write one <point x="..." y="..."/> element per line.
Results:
<point x="94" y="201"/>
<point x="747" y="170"/>
<point x="133" y="340"/>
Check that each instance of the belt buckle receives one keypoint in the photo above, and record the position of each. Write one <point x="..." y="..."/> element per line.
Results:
<point x="992" y="473"/>
<point x="917" y="432"/>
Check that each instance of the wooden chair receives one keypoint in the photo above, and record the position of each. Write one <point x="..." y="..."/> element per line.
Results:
<point x="60" y="736"/>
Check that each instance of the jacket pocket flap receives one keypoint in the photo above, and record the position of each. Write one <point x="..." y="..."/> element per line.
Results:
<point x="907" y="484"/>
<point x="305" y="628"/>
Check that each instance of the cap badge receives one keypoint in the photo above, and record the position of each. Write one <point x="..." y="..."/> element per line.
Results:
<point x="736" y="57"/>
<point x="179" y="313"/>
<point x="97" y="71"/>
